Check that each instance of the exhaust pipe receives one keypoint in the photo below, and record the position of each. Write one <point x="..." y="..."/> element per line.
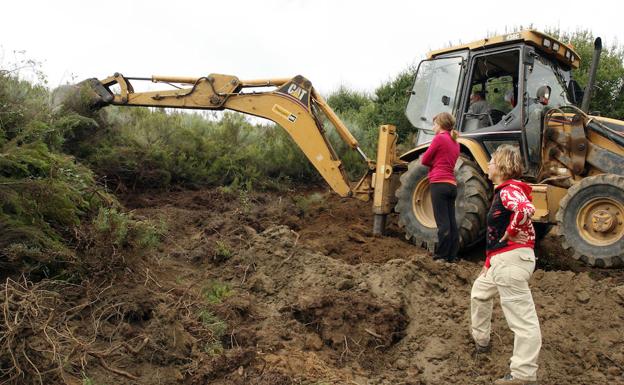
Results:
<point x="592" y="75"/>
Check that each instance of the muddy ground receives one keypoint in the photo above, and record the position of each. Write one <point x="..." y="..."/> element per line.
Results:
<point x="295" y="290"/>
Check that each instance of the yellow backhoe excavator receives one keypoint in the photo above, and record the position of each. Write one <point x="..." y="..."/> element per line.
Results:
<point x="573" y="160"/>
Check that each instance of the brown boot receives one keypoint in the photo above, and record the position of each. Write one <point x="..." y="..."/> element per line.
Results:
<point x="510" y="380"/>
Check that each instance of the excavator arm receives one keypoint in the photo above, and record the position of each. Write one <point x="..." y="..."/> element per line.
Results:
<point x="291" y="103"/>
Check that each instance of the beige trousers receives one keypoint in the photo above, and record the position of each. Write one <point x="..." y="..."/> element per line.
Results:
<point x="509" y="275"/>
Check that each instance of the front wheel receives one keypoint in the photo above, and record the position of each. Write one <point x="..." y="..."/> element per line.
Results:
<point x="416" y="211"/>
<point x="591" y="220"/>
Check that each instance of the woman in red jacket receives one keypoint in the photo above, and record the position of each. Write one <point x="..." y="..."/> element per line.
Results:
<point x="441" y="157"/>
<point x="509" y="264"/>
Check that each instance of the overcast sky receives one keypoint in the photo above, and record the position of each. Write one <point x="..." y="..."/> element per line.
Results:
<point x="356" y="43"/>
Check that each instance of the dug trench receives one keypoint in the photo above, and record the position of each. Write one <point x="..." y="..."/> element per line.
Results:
<point x="292" y="288"/>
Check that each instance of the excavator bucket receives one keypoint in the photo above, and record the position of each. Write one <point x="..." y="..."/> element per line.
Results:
<point x="83" y="97"/>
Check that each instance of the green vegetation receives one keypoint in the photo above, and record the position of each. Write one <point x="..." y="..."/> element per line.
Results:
<point x="222" y="252"/>
<point x="215" y="292"/>
<point x="140" y="149"/>
<point x="217" y="328"/>
<point x="120" y="229"/>
<point x="51" y="205"/>
<point x="216" y="325"/>
<point x="608" y="97"/>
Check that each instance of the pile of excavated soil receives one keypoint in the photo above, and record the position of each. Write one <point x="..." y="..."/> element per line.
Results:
<point x="316" y="299"/>
<point x="321" y="301"/>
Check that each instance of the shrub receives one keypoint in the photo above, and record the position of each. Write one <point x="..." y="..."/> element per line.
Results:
<point x="118" y="229"/>
<point x="47" y="198"/>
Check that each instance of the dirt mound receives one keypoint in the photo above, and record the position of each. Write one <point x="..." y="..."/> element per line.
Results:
<point x="278" y="289"/>
<point x="338" y="318"/>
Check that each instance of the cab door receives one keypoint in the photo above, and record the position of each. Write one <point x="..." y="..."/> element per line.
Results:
<point x="435" y="90"/>
<point x="495" y="76"/>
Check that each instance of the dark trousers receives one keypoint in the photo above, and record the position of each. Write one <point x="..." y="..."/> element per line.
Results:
<point x="443" y="199"/>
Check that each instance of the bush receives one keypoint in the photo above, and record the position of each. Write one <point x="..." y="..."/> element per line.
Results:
<point x="121" y="230"/>
<point x="44" y="196"/>
<point x="47" y="199"/>
<point x="143" y="149"/>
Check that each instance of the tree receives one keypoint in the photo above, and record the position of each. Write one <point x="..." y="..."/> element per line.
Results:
<point x="608" y="96"/>
<point x="386" y="106"/>
<point x="390" y="102"/>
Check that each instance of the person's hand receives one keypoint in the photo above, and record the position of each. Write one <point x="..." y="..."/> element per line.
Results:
<point x="483" y="271"/>
<point x="518" y="238"/>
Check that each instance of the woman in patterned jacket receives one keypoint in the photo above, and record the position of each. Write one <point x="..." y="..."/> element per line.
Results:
<point x="509" y="264"/>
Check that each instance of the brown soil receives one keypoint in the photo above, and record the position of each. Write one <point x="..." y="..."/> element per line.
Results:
<point x="316" y="299"/>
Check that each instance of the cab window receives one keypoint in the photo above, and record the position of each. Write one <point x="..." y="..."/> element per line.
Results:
<point x="434" y="91"/>
<point x="493" y="89"/>
<point x="543" y="73"/>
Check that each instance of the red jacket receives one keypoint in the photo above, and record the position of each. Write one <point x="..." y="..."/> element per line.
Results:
<point x="441" y="157"/>
<point x="511" y="212"/>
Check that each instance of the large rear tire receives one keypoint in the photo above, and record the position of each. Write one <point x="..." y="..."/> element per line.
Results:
<point x="416" y="211"/>
<point x="591" y="220"/>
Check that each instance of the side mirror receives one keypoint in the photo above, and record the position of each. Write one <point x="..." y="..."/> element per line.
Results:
<point x="576" y="92"/>
<point x="543" y="95"/>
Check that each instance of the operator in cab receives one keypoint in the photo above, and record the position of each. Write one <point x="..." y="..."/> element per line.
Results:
<point x="480" y="108"/>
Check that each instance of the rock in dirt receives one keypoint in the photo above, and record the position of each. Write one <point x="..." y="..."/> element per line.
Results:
<point x="345" y="284"/>
<point x="401" y="364"/>
<point x="583" y="297"/>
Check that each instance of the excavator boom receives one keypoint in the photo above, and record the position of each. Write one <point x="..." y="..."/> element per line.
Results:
<point x="292" y="103"/>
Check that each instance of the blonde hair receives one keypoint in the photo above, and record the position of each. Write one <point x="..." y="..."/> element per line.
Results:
<point x="446" y="121"/>
<point x="508" y="161"/>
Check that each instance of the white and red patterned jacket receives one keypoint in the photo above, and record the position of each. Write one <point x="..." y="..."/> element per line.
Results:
<point x="510" y="213"/>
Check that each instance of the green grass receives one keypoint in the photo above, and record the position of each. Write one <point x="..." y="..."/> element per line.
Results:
<point x="215" y="292"/>
<point x="121" y="229"/>
<point x="213" y="348"/>
<point x="217" y="327"/>
<point x="305" y="202"/>
<point x="222" y="251"/>
<point x="212" y="322"/>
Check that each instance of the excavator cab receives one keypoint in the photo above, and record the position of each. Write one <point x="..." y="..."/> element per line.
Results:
<point x="508" y="78"/>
